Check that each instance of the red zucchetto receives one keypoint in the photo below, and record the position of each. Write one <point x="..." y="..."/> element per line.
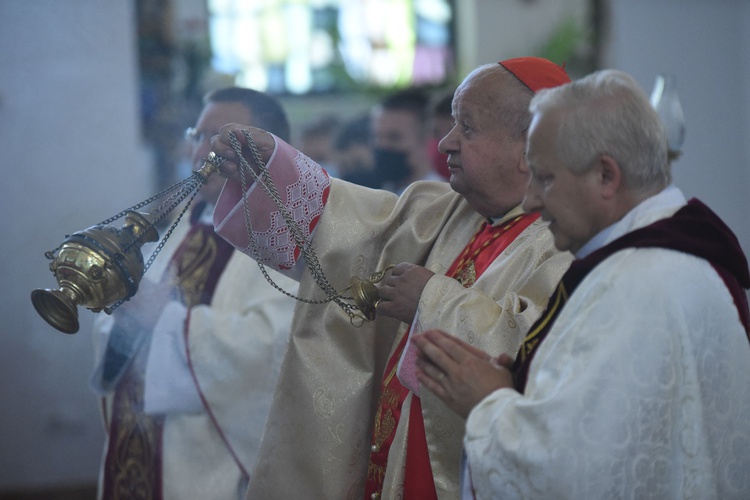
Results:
<point x="536" y="73"/>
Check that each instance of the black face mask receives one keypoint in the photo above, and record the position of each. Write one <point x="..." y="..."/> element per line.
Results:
<point x="390" y="165"/>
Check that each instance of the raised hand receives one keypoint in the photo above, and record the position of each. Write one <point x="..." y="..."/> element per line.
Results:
<point x="221" y="144"/>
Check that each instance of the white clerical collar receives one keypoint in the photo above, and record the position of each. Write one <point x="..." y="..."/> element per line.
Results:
<point x="510" y="214"/>
<point x="661" y="205"/>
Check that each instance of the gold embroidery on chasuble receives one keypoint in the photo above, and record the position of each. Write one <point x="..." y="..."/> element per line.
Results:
<point x="468" y="275"/>
<point x="385" y="424"/>
<point x="194" y="266"/>
<point x="386" y="421"/>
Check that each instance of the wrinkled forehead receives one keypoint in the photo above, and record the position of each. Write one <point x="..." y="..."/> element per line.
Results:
<point x="487" y="101"/>
<point x="472" y="95"/>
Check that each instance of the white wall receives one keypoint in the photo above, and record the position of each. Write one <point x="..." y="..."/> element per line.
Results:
<point x="71" y="157"/>
<point x="493" y="30"/>
<point x="707" y="46"/>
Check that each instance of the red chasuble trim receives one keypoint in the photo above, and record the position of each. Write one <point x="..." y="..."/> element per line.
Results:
<point x="485" y="246"/>
<point x="313" y="222"/>
<point x="418" y="478"/>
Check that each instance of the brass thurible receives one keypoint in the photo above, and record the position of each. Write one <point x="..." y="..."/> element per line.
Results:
<point x="95" y="268"/>
<point x="366" y="295"/>
<point x="102" y="266"/>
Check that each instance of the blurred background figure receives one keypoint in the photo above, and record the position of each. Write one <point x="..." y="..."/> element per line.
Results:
<point x="186" y="368"/>
<point x="316" y="141"/>
<point x="353" y="151"/>
<point x="401" y="140"/>
<point x="442" y="123"/>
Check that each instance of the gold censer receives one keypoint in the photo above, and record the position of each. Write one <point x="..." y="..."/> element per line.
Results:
<point x="95" y="268"/>
<point x="101" y="267"/>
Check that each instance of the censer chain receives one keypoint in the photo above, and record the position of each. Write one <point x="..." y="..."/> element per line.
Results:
<point x="192" y="182"/>
<point x="196" y="181"/>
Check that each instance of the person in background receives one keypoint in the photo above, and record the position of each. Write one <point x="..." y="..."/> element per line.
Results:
<point x="348" y="419"/>
<point x="187" y="367"/>
<point x="634" y="381"/>
<point x="401" y="140"/>
<point x="317" y="142"/>
<point x="353" y="151"/>
<point x="400" y="147"/>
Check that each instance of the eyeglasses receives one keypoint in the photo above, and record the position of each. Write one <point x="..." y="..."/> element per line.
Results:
<point x="194" y="136"/>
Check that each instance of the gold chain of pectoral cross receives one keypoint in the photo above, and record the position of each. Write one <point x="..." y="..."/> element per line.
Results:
<point x="467" y="259"/>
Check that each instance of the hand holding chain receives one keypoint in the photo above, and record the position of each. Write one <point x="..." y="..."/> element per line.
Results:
<point x="365" y="294"/>
<point x="102" y="266"/>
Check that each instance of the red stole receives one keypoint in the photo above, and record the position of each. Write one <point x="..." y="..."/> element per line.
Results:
<point x="694" y="229"/>
<point x="133" y="465"/>
<point x="486" y="245"/>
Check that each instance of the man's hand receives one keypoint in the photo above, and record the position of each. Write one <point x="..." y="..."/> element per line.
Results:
<point x="459" y="374"/>
<point x="222" y="146"/>
<point x="401" y="291"/>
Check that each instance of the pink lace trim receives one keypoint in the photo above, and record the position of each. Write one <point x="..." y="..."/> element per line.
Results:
<point x="305" y="199"/>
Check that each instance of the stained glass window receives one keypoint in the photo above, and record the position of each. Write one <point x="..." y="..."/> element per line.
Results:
<point x="303" y="46"/>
